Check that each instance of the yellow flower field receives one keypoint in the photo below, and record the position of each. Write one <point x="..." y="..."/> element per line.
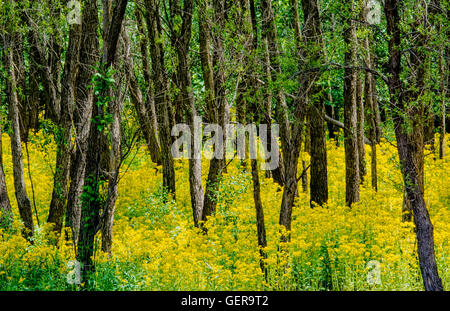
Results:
<point x="156" y="246"/>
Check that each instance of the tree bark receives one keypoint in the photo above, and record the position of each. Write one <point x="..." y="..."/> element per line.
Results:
<point x="444" y="83"/>
<point x="424" y="228"/>
<point x="293" y="134"/>
<point x="260" y="225"/>
<point x="23" y="202"/>
<point x="276" y="174"/>
<point x="416" y="114"/>
<point x="162" y="101"/>
<point x="90" y="204"/>
<point x="91" y="221"/>
<point x="114" y="156"/>
<point x="181" y="41"/>
<point x="84" y="101"/>
<point x="360" y="128"/>
<point x="272" y="68"/>
<point x="30" y="115"/>
<point x="352" y="174"/>
<point x="64" y="138"/>
<point x="249" y="97"/>
<point x="146" y="110"/>
<point x="6" y="216"/>
<point x="215" y="92"/>
<point x="314" y="46"/>
<point x="370" y="90"/>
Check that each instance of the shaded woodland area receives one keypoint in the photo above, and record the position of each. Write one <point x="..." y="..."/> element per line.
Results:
<point x="98" y="79"/>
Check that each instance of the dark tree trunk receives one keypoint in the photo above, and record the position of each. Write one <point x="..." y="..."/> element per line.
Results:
<point x="424" y="228"/>
<point x="329" y="110"/>
<point x="261" y="228"/>
<point x="419" y="113"/>
<point x="146" y="110"/>
<point x="65" y="146"/>
<point x="162" y="101"/>
<point x="352" y="174"/>
<point x="290" y="188"/>
<point x="114" y="155"/>
<point x="360" y="128"/>
<point x="293" y="133"/>
<point x="84" y="101"/>
<point x="218" y="68"/>
<point x="249" y="98"/>
<point x="318" y="150"/>
<point x="181" y="44"/>
<point x="370" y="110"/>
<point x="213" y="74"/>
<point x="444" y="84"/>
<point x="318" y="179"/>
<point x="90" y="204"/>
<point x="273" y="71"/>
<point x="48" y="64"/>
<point x="6" y="216"/>
<point x="278" y="173"/>
<point x="91" y="221"/>
<point x="23" y="202"/>
<point x="30" y="115"/>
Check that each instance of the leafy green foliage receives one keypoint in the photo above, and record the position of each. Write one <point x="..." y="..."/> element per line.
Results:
<point x="102" y="82"/>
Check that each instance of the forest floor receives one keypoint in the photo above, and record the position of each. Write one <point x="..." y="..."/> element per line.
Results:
<point x="156" y="246"/>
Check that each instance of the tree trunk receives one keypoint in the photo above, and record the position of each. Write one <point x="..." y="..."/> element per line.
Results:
<point x="84" y="99"/>
<point x="30" y="120"/>
<point x="261" y="228"/>
<point x="249" y="98"/>
<point x="360" y="128"/>
<point x="214" y="86"/>
<point x="416" y="140"/>
<point x="272" y="69"/>
<point x="64" y="141"/>
<point x="115" y="156"/>
<point x="218" y="65"/>
<point x="23" y="202"/>
<point x="352" y="176"/>
<point x="181" y="40"/>
<point x="314" y="46"/>
<point x="424" y="228"/>
<point x="91" y="221"/>
<point x="90" y="204"/>
<point x="290" y="189"/>
<point x="6" y="216"/>
<point x="370" y="112"/>
<point x="444" y="83"/>
<point x="162" y="100"/>
<point x="417" y="116"/>
<point x="329" y="110"/>
<point x="107" y="218"/>
<point x="146" y="111"/>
